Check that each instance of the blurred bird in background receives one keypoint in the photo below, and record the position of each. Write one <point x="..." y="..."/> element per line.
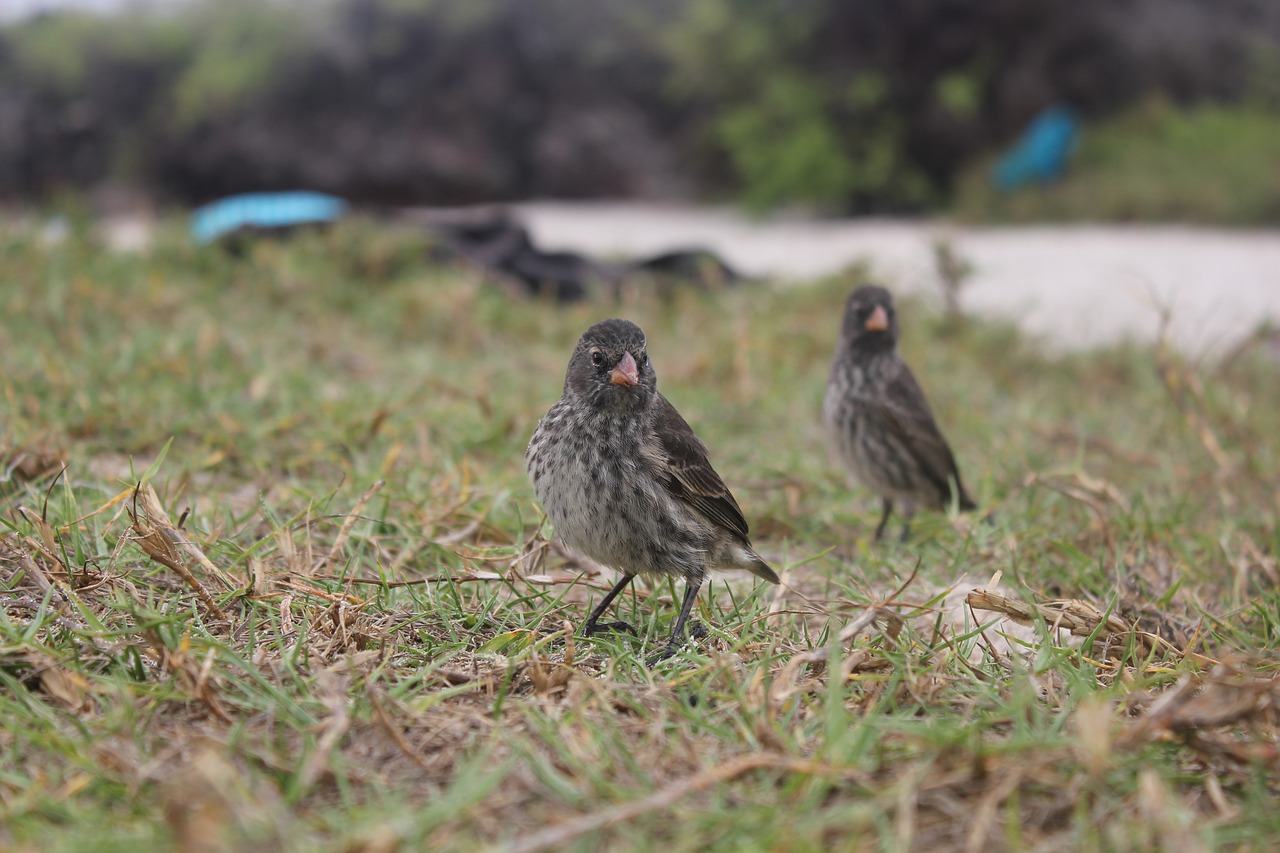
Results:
<point x="878" y="420"/>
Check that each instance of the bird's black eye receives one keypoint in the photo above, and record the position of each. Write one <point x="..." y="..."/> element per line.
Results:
<point x="642" y="359"/>
<point x="597" y="358"/>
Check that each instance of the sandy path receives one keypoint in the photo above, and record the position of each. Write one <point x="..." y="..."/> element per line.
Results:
<point x="1076" y="286"/>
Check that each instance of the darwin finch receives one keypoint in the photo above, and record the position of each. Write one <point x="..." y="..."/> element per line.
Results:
<point x="878" y="420"/>
<point x="625" y="481"/>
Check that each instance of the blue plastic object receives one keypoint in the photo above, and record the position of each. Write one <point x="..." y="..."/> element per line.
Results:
<point x="1041" y="153"/>
<point x="263" y="210"/>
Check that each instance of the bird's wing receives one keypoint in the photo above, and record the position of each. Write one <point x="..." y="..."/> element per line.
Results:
<point x="907" y="415"/>
<point x="686" y="473"/>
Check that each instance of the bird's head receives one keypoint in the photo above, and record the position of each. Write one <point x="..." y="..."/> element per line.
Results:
<point x="610" y="366"/>
<point x="870" y="321"/>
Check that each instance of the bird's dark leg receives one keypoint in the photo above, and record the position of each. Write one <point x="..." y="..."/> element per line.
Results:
<point x="887" y="510"/>
<point x="691" y="588"/>
<point x="591" y="626"/>
<point x="907" y="511"/>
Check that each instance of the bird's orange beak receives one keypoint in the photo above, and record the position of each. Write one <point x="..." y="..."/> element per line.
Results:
<point x="878" y="321"/>
<point x="626" y="372"/>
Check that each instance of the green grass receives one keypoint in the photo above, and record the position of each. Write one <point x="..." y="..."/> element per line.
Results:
<point x="339" y="428"/>
<point x="1212" y="165"/>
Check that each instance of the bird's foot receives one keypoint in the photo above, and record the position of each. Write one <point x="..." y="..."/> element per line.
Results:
<point x="671" y="648"/>
<point x="697" y="631"/>
<point x="607" y="627"/>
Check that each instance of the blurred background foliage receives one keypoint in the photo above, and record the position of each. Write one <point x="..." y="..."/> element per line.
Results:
<point x="874" y="106"/>
<point x="1155" y="162"/>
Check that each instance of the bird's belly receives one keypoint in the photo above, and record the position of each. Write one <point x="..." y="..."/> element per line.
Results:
<point x="602" y="504"/>
<point x="875" y="456"/>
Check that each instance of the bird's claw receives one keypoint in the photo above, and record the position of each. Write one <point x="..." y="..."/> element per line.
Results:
<point x="697" y="631"/>
<point x="604" y="627"/>
<point x="671" y="648"/>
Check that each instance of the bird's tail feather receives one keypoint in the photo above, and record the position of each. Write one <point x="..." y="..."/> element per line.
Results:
<point x="758" y="567"/>
<point x="741" y="556"/>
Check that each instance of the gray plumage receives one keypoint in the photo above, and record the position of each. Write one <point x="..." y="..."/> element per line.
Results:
<point x="625" y="480"/>
<point x="877" y="418"/>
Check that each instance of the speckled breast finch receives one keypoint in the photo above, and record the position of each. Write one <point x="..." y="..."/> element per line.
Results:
<point x="878" y="421"/>
<point x="625" y="480"/>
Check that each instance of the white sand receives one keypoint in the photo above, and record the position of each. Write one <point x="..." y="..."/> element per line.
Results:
<point x="1075" y="286"/>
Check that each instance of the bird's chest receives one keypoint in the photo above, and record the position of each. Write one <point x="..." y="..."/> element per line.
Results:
<point x="596" y="486"/>
<point x="846" y="415"/>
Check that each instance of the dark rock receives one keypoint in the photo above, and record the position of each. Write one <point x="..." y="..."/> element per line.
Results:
<point x="493" y="240"/>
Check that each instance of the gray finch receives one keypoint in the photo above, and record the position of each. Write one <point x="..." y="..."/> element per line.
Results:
<point x="878" y="421"/>
<point x="625" y="480"/>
